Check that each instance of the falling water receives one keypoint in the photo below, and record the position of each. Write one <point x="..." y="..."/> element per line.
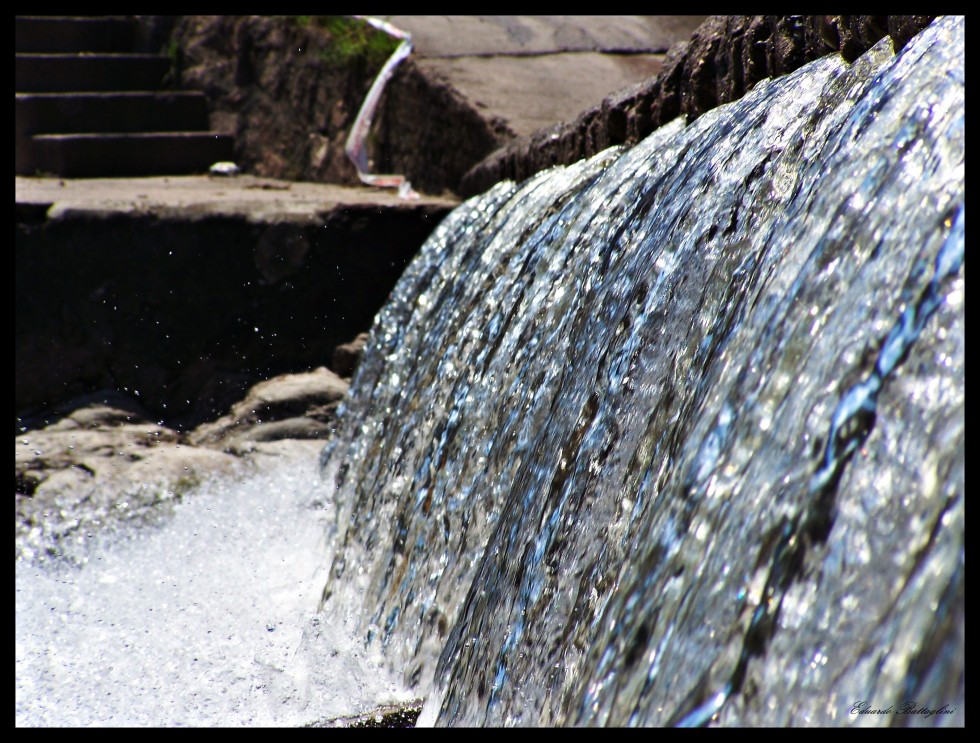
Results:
<point x="671" y="436"/>
<point x="675" y="435"/>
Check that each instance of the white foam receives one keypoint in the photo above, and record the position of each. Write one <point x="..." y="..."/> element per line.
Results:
<point x="207" y="620"/>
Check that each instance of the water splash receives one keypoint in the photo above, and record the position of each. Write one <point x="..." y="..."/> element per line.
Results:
<point x="208" y="618"/>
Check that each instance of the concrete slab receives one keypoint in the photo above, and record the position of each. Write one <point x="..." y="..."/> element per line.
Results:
<point x="461" y="35"/>
<point x="530" y="93"/>
<point x="258" y="199"/>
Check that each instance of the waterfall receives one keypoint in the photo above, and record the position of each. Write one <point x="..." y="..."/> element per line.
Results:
<point x="671" y="436"/>
<point x="675" y="435"/>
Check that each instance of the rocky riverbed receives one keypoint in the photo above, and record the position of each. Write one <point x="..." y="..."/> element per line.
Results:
<point x="102" y="459"/>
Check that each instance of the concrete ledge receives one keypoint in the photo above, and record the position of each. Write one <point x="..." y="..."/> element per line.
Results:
<point x="254" y="199"/>
<point x="186" y="291"/>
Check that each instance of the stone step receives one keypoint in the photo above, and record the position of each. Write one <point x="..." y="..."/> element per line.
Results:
<point x="54" y="34"/>
<point x="96" y="155"/>
<point x="87" y="106"/>
<point x="50" y="73"/>
<point x="115" y="112"/>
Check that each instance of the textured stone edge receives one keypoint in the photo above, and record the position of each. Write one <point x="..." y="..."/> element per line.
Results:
<point x="725" y="57"/>
<point x="403" y="715"/>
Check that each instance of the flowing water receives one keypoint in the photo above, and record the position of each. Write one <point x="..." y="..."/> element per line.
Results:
<point x="674" y="435"/>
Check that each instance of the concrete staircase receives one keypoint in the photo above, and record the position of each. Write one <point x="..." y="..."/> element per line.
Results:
<point x="88" y="107"/>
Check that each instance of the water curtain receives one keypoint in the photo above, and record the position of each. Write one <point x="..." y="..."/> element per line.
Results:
<point x="675" y="435"/>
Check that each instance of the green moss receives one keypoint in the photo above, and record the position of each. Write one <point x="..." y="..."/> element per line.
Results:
<point x="350" y="39"/>
<point x="172" y="79"/>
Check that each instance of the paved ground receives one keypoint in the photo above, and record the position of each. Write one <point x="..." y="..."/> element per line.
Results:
<point x="469" y="35"/>
<point x="535" y="71"/>
<point x="259" y="199"/>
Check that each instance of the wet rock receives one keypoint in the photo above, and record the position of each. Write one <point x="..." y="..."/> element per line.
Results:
<point x="300" y="406"/>
<point x="297" y="451"/>
<point x="903" y="27"/>
<point x="386" y="716"/>
<point x="100" y="459"/>
<point x="103" y="461"/>
<point x="347" y="356"/>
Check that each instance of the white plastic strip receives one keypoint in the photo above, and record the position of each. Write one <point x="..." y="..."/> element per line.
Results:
<point x="355" y="147"/>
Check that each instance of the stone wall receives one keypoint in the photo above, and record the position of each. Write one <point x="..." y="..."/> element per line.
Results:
<point x="272" y="83"/>
<point x="725" y="57"/>
<point x="429" y="133"/>
<point x="187" y="311"/>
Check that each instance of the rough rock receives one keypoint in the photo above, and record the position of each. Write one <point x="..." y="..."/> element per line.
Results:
<point x="403" y="715"/>
<point x="296" y="406"/>
<point x="101" y="459"/>
<point x="429" y="132"/>
<point x="272" y="84"/>
<point x="725" y="57"/>
<point x="297" y="452"/>
<point x="347" y="356"/>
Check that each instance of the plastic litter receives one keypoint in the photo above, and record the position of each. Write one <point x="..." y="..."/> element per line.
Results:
<point x="224" y="169"/>
<point x="355" y="146"/>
